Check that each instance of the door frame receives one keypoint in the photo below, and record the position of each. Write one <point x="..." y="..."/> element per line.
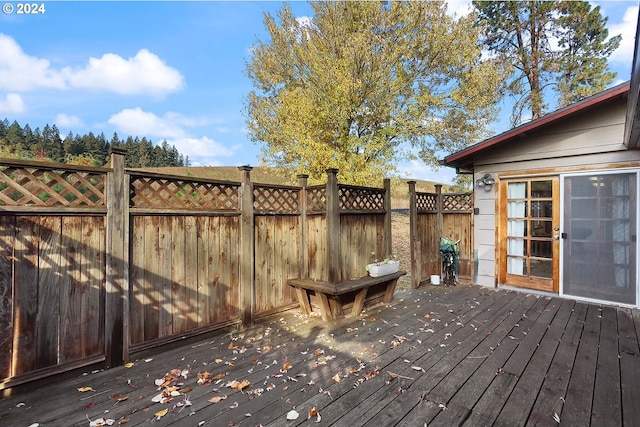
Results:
<point x="528" y="282"/>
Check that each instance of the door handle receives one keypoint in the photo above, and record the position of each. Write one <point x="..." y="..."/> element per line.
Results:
<point x="564" y="235"/>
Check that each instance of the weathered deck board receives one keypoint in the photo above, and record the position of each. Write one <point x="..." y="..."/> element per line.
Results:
<point x="440" y="356"/>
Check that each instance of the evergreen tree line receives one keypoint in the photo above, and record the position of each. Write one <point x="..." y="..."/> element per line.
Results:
<point x="88" y="149"/>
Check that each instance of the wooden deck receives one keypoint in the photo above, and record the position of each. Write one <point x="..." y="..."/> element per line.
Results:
<point x="437" y="356"/>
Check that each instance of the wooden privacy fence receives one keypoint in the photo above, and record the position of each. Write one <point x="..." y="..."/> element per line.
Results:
<point x="97" y="264"/>
<point x="434" y="215"/>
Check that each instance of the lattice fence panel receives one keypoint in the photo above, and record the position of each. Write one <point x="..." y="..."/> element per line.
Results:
<point x="151" y="192"/>
<point x="31" y="186"/>
<point x="461" y="202"/>
<point x="316" y="199"/>
<point x="426" y="202"/>
<point x="274" y="199"/>
<point x="362" y="199"/>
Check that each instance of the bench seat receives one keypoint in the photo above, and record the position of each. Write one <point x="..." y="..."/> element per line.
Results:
<point x="329" y="294"/>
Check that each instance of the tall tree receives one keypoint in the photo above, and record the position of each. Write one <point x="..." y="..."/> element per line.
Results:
<point x="348" y="86"/>
<point x="553" y="46"/>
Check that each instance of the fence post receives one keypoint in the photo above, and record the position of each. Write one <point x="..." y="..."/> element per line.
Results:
<point x="387" y="218"/>
<point x="304" y="265"/>
<point x="116" y="340"/>
<point x="436" y="251"/>
<point x="247" y="249"/>
<point x="415" y="243"/>
<point x="334" y="257"/>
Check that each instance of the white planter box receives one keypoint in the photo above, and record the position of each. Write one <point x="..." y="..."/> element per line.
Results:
<point x="380" y="269"/>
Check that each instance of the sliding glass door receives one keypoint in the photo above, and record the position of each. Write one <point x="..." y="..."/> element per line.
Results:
<point x="599" y="237"/>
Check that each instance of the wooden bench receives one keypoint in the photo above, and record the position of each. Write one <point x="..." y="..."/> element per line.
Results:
<point x="329" y="295"/>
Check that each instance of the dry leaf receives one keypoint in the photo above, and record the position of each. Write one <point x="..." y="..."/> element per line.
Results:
<point x="286" y="367"/>
<point x="237" y="385"/>
<point x="336" y="378"/>
<point x="216" y="399"/>
<point x="85" y="389"/>
<point x="292" y="415"/>
<point x="129" y="365"/>
<point x="313" y="412"/>
<point x="123" y="421"/>
<point x="232" y="345"/>
<point x="417" y="368"/>
<point x="161" y="414"/>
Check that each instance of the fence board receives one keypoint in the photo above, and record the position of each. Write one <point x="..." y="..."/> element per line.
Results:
<point x="7" y="245"/>
<point x="317" y="247"/>
<point x="137" y="281"/>
<point x="150" y="264"/>
<point x="215" y="291"/>
<point x="25" y="294"/>
<point x="49" y="272"/>
<point x="165" y="295"/>
<point x="203" y="270"/>
<point x="70" y="292"/>
<point x="92" y="322"/>
<point x="191" y="271"/>
<point x="178" y="290"/>
<point x="230" y="267"/>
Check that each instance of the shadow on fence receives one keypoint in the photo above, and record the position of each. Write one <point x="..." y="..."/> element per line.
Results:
<point x="97" y="264"/>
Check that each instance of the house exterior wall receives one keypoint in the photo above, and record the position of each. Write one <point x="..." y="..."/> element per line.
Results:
<point x="589" y="140"/>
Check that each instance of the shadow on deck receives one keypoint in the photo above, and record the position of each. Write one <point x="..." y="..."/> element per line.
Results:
<point x="437" y="356"/>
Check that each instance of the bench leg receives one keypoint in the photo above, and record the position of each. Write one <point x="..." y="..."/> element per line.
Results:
<point x="325" y="309"/>
<point x="358" y="302"/>
<point x="391" y="288"/>
<point x="336" y="307"/>
<point x="303" y="299"/>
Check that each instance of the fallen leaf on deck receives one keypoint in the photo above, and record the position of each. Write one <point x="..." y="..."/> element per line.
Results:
<point x="286" y="367"/>
<point x="292" y="415"/>
<point x="85" y="389"/>
<point x="129" y="365"/>
<point x="556" y="417"/>
<point x="161" y="414"/>
<point x="237" y="385"/>
<point x="216" y="399"/>
<point x="123" y="421"/>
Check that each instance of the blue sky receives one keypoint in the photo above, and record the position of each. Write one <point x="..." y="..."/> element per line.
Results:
<point x="169" y="70"/>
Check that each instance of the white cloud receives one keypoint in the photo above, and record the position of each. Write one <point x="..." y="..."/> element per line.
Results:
<point x="12" y="104"/>
<point x="21" y="72"/>
<point x="68" y="121"/>
<point x="416" y="169"/>
<point x="459" y="8"/>
<point x="627" y="28"/>
<point x="145" y="73"/>
<point x="202" y="151"/>
<point x="134" y="121"/>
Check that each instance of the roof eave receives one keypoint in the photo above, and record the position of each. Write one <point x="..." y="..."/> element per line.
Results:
<point x="464" y="158"/>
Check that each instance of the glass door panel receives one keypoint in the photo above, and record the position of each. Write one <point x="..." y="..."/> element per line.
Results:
<point x="531" y="231"/>
<point x="599" y="250"/>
